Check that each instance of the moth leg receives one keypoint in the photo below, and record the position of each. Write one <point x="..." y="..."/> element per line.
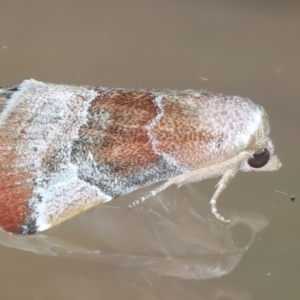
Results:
<point x="151" y="194"/>
<point x="222" y="184"/>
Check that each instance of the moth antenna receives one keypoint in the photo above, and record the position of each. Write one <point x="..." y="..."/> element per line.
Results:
<point x="222" y="184"/>
<point x="292" y="197"/>
<point x="151" y="194"/>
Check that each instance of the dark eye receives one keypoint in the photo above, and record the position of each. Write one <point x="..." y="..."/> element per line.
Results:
<point x="258" y="160"/>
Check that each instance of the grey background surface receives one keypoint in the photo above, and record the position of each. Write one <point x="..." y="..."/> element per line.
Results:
<point x="248" y="48"/>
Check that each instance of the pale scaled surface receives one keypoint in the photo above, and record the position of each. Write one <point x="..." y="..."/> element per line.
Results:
<point x="57" y="112"/>
<point x="237" y="116"/>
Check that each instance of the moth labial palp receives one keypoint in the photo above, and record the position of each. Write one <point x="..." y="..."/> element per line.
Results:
<point x="65" y="149"/>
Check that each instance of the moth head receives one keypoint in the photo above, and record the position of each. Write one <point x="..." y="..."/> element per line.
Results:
<point x="261" y="149"/>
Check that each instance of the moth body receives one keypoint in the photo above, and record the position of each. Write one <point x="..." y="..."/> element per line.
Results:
<point x="65" y="149"/>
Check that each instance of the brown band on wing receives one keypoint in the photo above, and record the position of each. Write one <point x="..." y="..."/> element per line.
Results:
<point x="118" y="129"/>
<point x="14" y="194"/>
<point x="179" y="134"/>
<point x="15" y="178"/>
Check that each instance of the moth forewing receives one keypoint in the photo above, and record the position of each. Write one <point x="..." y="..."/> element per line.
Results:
<point x="65" y="149"/>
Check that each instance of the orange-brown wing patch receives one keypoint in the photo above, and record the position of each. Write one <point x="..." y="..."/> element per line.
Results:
<point x="14" y="190"/>
<point x="118" y="132"/>
<point x="179" y="133"/>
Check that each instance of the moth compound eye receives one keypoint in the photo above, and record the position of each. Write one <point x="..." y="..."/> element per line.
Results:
<point x="259" y="159"/>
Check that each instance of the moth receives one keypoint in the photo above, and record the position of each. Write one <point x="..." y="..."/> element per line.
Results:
<point x="65" y="149"/>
